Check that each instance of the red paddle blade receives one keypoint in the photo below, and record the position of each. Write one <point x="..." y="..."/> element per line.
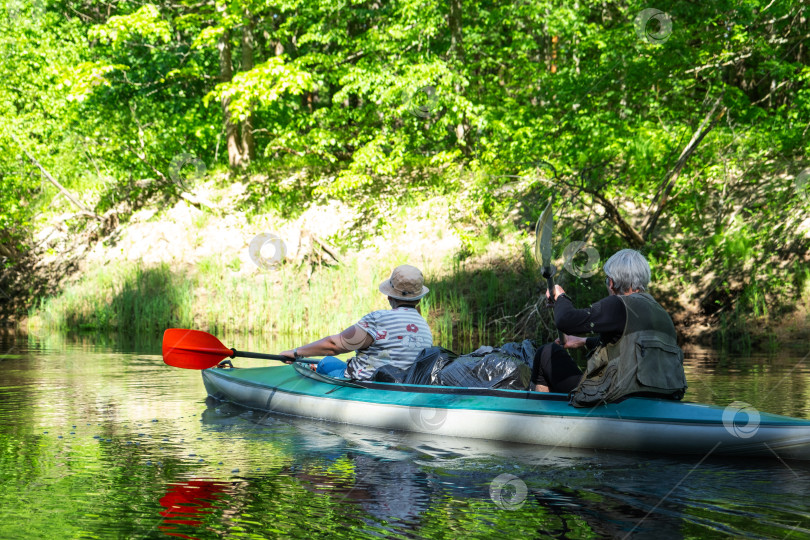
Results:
<point x="192" y="349"/>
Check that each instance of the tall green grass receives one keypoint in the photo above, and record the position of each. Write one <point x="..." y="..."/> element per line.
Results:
<point x="123" y="297"/>
<point x="467" y="307"/>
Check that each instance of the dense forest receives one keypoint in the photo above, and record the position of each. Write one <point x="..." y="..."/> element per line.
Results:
<point x="679" y="128"/>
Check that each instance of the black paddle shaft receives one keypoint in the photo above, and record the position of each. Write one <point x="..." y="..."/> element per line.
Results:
<point x="548" y="273"/>
<point x="265" y="356"/>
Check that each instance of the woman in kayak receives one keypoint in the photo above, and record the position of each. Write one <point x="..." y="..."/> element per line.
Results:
<point x="387" y="337"/>
<point x="636" y="351"/>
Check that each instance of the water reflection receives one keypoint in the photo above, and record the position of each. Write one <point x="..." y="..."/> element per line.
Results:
<point x="400" y="480"/>
<point x="187" y="503"/>
<point x="778" y="382"/>
<point x="106" y="441"/>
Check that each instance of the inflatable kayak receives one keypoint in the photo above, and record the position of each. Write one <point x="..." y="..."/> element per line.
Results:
<point x="634" y="424"/>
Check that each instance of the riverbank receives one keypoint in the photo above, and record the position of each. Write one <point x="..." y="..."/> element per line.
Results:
<point x="191" y="265"/>
<point x="188" y="267"/>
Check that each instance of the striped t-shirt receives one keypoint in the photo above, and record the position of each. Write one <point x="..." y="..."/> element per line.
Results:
<point x="399" y="336"/>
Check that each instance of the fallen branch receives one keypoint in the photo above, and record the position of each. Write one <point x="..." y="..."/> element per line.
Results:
<point x="611" y="210"/>
<point x="197" y="201"/>
<point x="190" y="198"/>
<point x="52" y="180"/>
<point x="709" y="121"/>
<point x="627" y="230"/>
<point x="327" y="248"/>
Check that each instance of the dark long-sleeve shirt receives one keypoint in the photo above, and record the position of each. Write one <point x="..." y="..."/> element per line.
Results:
<point x="607" y="317"/>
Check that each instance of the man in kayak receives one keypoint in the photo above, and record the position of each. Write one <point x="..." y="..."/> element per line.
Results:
<point x="393" y="336"/>
<point x="636" y="351"/>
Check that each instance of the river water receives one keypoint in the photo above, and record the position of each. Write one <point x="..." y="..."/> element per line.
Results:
<point x="100" y="439"/>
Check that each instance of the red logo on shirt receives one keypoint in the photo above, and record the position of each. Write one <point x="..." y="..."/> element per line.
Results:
<point x="411" y="328"/>
<point x="382" y="334"/>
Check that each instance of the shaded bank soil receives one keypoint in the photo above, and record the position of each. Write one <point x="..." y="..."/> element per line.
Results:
<point x="190" y="266"/>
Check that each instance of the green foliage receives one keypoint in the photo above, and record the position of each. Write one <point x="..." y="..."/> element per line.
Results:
<point x="35" y="47"/>
<point x="263" y="84"/>
<point x="378" y="104"/>
<point x="144" y="24"/>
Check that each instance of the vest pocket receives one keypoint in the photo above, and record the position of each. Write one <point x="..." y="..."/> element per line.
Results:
<point x="660" y="365"/>
<point x="594" y="389"/>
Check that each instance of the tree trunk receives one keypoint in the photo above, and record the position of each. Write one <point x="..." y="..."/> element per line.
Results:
<point x="248" y="45"/>
<point x="225" y="75"/>
<point x="575" y="48"/>
<point x="554" y="40"/>
<point x="457" y="53"/>
<point x="454" y="21"/>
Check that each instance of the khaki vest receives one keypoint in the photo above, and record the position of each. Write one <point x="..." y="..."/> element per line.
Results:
<point x="646" y="359"/>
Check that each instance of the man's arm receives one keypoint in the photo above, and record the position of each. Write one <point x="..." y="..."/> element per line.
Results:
<point x="354" y="338"/>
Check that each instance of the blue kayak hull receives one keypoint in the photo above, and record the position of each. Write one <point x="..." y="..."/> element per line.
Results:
<point x="634" y="424"/>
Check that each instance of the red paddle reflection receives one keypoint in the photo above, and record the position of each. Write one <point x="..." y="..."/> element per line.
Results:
<point x="188" y="500"/>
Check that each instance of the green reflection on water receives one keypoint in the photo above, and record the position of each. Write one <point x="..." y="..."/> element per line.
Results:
<point x="104" y="441"/>
<point x="776" y="383"/>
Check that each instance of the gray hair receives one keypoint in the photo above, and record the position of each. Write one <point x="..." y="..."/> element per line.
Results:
<point x="629" y="271"/>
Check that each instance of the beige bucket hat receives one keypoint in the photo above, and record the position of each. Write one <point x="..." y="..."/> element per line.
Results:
<point x="406" y="283"/>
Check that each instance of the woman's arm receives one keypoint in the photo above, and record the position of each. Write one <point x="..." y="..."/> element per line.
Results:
<point x="575" y="342"/>
<point x="607" y="316"/>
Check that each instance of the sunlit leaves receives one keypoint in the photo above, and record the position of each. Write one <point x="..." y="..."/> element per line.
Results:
<point x="262" y="85"/>
<point x="208" y="37"/>
<point x="82" y="79"/>
<point x="146" y="23"/>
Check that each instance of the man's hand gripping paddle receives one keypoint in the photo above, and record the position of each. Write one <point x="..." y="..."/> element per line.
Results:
<point x="542" y="252"/>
